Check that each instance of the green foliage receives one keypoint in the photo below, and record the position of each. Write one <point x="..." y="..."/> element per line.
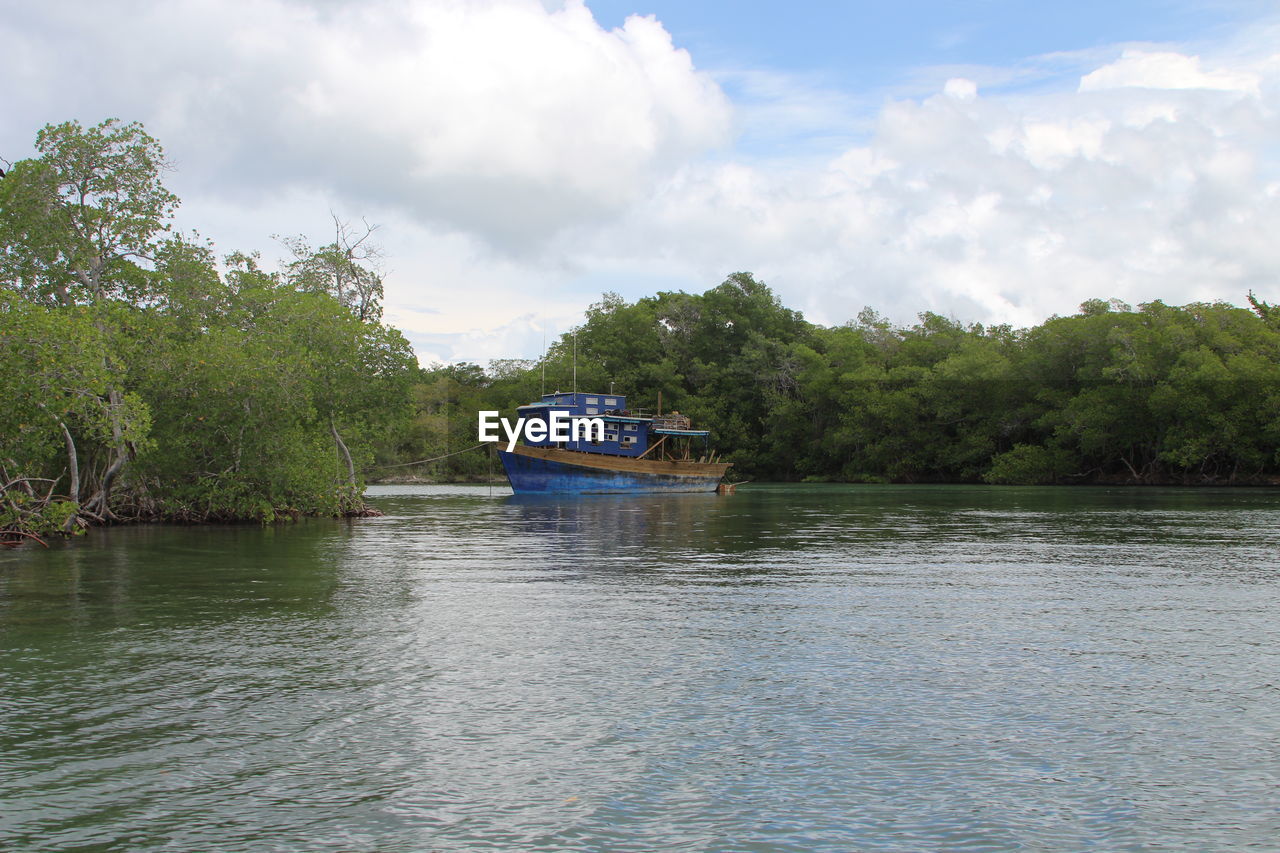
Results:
<point x="22" y="514"/>
<point x="129" y="361"/>
<point x="54" y="368"/>
<point x="142" y="381"/>
<point x="344" y="269"/>
<point x="1157" y="394"/>
<point x="1029" y="465"/>
<point x="75" y="223"/>
<point x="247" y="409"/>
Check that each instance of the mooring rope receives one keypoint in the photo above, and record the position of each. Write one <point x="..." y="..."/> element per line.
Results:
<point x="432" y="459"/>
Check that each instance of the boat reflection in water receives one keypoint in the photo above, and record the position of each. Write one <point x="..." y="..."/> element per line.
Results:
<point x="677" y="539"/>
<point x="642" y="524"/>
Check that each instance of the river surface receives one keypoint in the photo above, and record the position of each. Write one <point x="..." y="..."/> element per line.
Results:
<point x="813" y="668"/>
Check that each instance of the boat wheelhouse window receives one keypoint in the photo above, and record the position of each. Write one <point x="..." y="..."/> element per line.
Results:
<point x="593" y="411"/>
<point x="610" y="436"/>
<point x="628" y="439"/>
<point x="611" y="401"/>
<point x="629" y="427"/>
<point x="593" y="399"/>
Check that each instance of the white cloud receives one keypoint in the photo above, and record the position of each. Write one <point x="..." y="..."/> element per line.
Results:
<point x="1167" y="70"/>
<point x="522" y="159"/>
<point x="1005" y="208"/>
<point x="500" y="118"/>
<point x="961" y="88"/>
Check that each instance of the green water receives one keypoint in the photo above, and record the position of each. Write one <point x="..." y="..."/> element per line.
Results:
<point x="785" y="669"/>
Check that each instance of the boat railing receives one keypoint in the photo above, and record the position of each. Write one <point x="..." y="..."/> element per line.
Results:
<point x="672" y="420"/>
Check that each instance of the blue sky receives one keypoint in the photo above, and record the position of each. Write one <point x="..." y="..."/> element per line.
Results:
<point x="862" y="52"/>
<point x="992" y="161"/>
<point x="881" y="45"/>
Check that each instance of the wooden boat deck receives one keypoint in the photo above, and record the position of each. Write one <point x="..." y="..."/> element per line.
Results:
<point x="628" y="464"/>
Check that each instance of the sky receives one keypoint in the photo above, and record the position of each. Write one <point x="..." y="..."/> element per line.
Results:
<point x="992" y="161"/>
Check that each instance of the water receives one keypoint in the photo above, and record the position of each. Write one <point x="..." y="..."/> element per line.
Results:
<point x="785" y="669"/>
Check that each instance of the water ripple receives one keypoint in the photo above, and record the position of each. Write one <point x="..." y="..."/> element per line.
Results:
<point x="787" y="669"/>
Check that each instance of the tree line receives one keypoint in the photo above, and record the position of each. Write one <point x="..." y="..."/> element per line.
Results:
<point x="143" y="379"/>
<point x="1159" y="394"/>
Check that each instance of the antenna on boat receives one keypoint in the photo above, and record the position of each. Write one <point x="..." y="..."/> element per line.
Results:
<point x="575" y="360"/>
<point x="544" y="358"/>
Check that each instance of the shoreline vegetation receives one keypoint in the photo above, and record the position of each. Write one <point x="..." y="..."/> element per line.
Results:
<point x="1157" y="395"/>
<point x="147" y="379"/>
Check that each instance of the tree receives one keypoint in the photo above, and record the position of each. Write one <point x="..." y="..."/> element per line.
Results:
<point x="55" y="382"/>
<point x="151" y="385"/>
<point x="346" y="269"/>
<point x="76" y="222"/>
<point x="83" y="225"/>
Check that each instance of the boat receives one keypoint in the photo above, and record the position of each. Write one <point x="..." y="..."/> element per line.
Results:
<point x="638" y="452"/>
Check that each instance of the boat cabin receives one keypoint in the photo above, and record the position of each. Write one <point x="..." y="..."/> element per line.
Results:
<point x="627" y="432"/>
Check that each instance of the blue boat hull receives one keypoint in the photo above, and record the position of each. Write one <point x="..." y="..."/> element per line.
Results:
<point x="549" y="472"/>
